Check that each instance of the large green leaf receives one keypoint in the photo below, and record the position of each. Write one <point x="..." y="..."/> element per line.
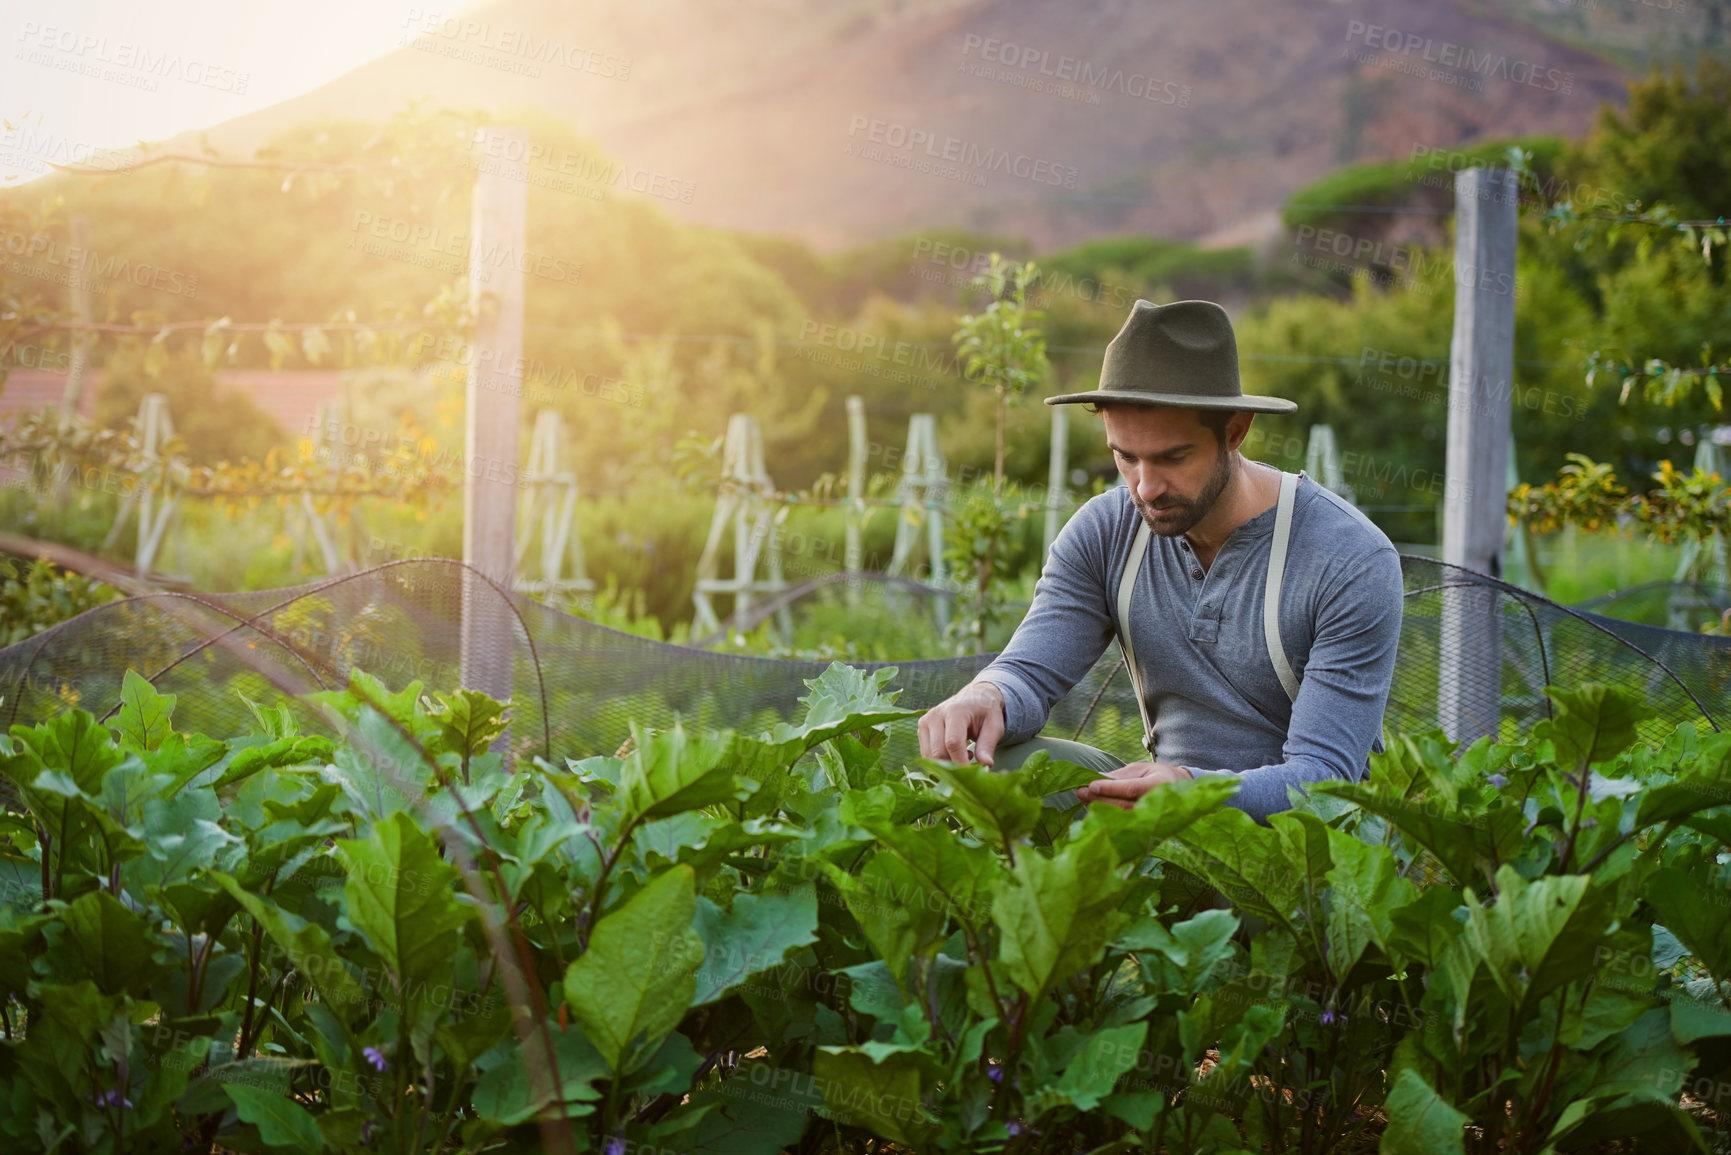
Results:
<point x="1537" y="935"/>
<point x="1471" y="846"/>
<point x="994" y="804"/>
<point x="364" y="692"/>
<point x="1421" y="1122"/>
<point x="753" y="935"/>
<point x="145" y="716"/>
<point x="286" y="751"/>
<point x="741" y="1123"/>
<point x="1684" y="907"/>
<point x="182" y="758"/>
<point x="960" y="874"/>
<point x="1423" y="930"/>
<point x="307" y="947"/>
<point x="1365" y="888"/>
<point x="900" y="915"/>
<point x="58" y="768"/>
<point x="1042" y="776"/>
<point x="636" y="980"/>
<point x="1059" y="913"/>
<point x="843" y="698"/>
<point x="670" y="771"/>
<point x="881" y="1097"/>
<point x="1693" y="1019"/>
<point x="1182" y="958"/>
<point x="72" y="744"/>
<point x="468" y="721"/>
<point x="398" y="895"/>
<point x="114" y="943"/>
<point x="1248" y="863"/>
<point x="281" y="1121"/>
<point x="1592" y="724"/>
<point x="1105" y="1057"/>
<point x="1160" y="814"/>
<point x="508" y="1093"/>
<point x="895" y="805"/>
<point x="381" y="767"/>
<point x="1635" y="1093"/>
<point x="183" y="835"/>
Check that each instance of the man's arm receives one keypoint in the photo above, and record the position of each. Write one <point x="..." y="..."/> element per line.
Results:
<point x="1337" y="716"/>
<point x="1065" y="631"/>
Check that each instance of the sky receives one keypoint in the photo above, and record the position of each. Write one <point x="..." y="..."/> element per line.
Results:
<point x="81" y="76"/>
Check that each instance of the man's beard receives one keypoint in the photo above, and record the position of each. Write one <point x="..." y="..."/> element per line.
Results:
<point x="1178" y="516"/>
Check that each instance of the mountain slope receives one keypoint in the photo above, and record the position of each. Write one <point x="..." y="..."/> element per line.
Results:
<point x="844" y="122"/>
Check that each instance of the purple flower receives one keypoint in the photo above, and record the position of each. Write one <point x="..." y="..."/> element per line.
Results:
<point x="616" y="1145"/>
<point x="1013" y="1128"/>
<point x="113" y="1099"/>
<point x="1497" y="780"/>
<point x="376" y="1057"/>
<point x="1328" y="1017"/>
<point x="996" y="1074"/>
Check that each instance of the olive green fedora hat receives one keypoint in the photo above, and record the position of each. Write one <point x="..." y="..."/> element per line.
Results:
<point x="1181" y="354"/>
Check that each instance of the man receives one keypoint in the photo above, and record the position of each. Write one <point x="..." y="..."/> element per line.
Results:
<point x="1276" y="674"/>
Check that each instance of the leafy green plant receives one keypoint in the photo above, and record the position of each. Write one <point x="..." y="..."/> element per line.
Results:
<point x="1001" y="346"/>
<point x="37" y="596"/>
<point x="382" y="939"/>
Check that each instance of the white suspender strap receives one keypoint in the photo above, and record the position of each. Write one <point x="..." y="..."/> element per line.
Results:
<point x="1126" y="588"/>
<point x="1271" y="592"/>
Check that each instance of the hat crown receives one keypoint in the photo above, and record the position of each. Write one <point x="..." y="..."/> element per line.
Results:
<point x="1182" y="354"/>
<point x="1183" y="349"/>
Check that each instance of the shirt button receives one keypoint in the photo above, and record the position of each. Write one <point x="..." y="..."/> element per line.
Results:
<point x="1196" y="573"/>
<point x="1184" y="544"/>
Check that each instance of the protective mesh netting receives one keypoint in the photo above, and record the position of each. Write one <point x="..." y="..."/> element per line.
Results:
<point x="1681" y="605"/>
<point x="577" y="684"/>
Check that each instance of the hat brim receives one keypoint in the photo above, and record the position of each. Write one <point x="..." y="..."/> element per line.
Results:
<point x="1243" y="404"/>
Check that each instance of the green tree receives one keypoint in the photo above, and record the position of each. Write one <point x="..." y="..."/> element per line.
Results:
<point x="1001" y="346"/>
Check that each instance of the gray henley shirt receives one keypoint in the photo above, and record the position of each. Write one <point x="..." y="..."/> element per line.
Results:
<point x="1216" y="703"/>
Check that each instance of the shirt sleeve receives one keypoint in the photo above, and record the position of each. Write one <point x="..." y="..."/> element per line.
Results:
<point x="1067" y="627"/>
<point x="1337" y="716"/>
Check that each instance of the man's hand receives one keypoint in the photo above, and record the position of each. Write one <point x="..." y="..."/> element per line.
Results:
<point x="1122" y="787"/>
<point x="977" y="712"/>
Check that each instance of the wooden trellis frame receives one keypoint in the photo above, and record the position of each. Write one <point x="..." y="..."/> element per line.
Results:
<point x="552" y="493"/>
<point x="747" y="503"/>
<point x="154" y="498"/>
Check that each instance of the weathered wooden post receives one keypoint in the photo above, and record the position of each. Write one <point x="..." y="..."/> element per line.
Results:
<point x="1475" y="496"/>
<point x="498" y="224"/>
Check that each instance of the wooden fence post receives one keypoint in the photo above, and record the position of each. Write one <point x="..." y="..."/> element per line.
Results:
<point x="1475" y="497"/>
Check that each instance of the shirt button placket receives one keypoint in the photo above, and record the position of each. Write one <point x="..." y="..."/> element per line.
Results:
<point x="1195" y="571"/>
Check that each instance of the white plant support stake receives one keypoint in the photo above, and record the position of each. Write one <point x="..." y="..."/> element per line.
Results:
<point x="747" y="503"/>
<point x="1322" y="462"/>
<point x="856" y="471"/>
<point x="1705" y="562"/>
<point x="157" y="505"/>
<point x="923" y="491"/>
<point x="1056" y="494"/>
<point x="552" y="502"/>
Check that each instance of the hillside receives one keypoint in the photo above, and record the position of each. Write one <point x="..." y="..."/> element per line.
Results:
<point x="1184" y="118"/>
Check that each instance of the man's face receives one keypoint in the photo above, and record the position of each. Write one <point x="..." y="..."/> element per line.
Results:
<point x="1175" y="466"/>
